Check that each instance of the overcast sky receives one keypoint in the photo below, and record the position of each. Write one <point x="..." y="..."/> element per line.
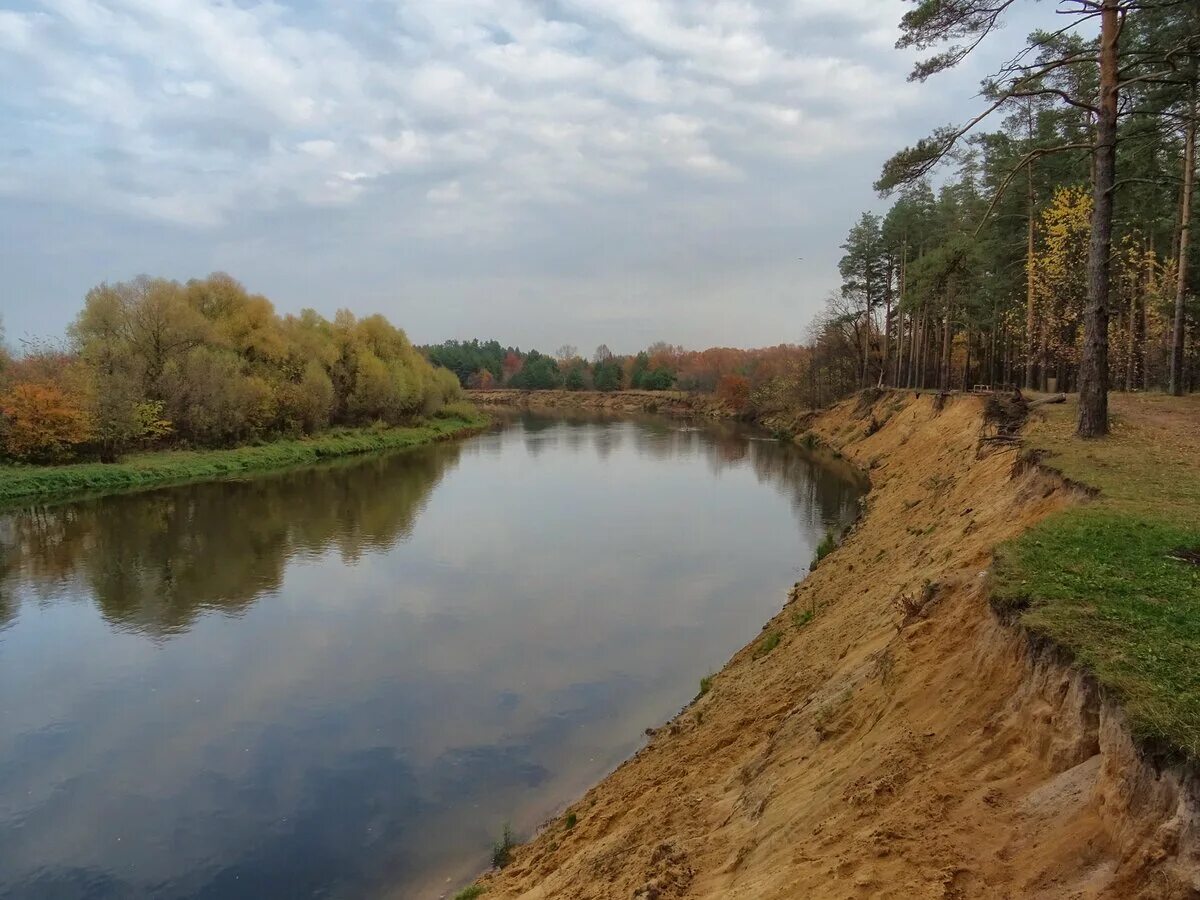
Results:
<point x="538" y="171"/>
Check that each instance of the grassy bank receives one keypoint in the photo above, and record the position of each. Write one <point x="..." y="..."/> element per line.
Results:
<point x="25" y="483"/>
<point x="1109" y="580"/>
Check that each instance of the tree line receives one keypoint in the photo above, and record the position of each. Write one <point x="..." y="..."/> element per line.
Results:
<point x="205" y="363"/>
<point x="750" y="380"/>
<point x="1058" y="254"/>
<point x="483" y="365"/>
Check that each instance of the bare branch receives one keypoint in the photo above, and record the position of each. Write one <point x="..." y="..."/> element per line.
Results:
<point x="1063" y="95"/>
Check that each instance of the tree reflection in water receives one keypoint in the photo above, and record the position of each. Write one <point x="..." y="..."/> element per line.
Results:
<point x="155" y="561"/>
<point x="418" y="667"/>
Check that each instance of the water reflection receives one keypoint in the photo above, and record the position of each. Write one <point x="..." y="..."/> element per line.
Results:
<point x="153" y="561"/>
<point x="338" y="682"/>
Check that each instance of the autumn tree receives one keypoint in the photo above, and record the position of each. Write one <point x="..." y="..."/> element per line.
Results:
<point x="208" y="363"/>
<point x="734" y="392"/>
<point x="43" y="422"/>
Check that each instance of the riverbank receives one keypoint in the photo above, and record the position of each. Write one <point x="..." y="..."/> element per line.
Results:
<point x="889" y="734"/>
<point x="668" y="403"/>
<point x="21" y="484"/>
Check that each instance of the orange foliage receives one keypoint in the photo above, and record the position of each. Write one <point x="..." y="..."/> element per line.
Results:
<point x="483" y="380"/>
<point x="43" y="421"/>
<point x="734" y="391"/>
<point x="511" y="365"/>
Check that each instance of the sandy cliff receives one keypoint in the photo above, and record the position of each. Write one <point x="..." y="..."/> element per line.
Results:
<point x="897" y="740"/>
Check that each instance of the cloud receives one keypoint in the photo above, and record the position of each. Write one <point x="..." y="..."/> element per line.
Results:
<point x="515" y="101"/>
<point x="571" y="153"/>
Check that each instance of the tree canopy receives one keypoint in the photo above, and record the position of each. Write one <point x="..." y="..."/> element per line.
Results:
<point x="206" y="364"/>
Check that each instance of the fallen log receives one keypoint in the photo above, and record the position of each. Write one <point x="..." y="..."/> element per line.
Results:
<point x="1053" y="398"/>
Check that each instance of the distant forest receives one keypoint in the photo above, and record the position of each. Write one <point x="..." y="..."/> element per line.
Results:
<point x="750" y="380"/>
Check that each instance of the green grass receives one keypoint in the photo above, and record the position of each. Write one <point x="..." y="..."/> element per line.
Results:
<point x="1099" y="579"/>
<point x="469" y="893"/>
<point x="769" y="643"/>
<point x="828" y="545"/>
<point x="705" y="685"/>
<point x="19" y="484"/>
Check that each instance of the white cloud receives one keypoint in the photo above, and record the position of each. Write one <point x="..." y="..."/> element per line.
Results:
<point x="321" y="149"/>
<point x="197" y="109"/>
<point x="450" y="192"/>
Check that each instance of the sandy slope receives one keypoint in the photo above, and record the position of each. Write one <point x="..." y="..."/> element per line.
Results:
<point x="866" y="756"/>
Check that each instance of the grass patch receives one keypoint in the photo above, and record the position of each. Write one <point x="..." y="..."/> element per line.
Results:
<point x="705" y="685"/>
<point x="828" y="545"/>
<point x="19" y="484"/>
<point x="769" y="643"/>
<point x="469" y="893"/>
<point x="1103" y="580"/>
<point x="571" y="821"/>
<point x="800" y="619"/>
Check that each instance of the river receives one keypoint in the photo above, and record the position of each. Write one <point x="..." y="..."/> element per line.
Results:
<point x="341" y="681"/>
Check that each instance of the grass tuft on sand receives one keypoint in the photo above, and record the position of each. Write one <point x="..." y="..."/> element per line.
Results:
<point x="1106" y="580"/>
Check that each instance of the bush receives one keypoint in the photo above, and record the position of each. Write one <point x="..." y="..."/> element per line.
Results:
<point x="502" y="849"/>
<point x="459" y="409"/>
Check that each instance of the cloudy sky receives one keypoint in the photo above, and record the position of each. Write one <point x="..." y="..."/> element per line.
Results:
<point x="539" y="171"/>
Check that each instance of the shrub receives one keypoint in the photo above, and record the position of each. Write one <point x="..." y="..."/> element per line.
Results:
<point x="459" y="409"/>
<point x="502" y="849"/>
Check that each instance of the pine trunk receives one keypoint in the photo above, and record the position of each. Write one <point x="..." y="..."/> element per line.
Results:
<point x="1093" y="363"/>
<point x="944" y="375"/>
<point x="1029" y="259"/>
<point x="1181" y="281"/>
<point x="866" y="347"/>
<point x="887" y="325"/>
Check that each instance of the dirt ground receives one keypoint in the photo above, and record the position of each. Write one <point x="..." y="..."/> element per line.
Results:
<point x="897" y="740"/>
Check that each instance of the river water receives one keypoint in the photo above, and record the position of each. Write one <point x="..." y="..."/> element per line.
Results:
<point x="341" y="681"/>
